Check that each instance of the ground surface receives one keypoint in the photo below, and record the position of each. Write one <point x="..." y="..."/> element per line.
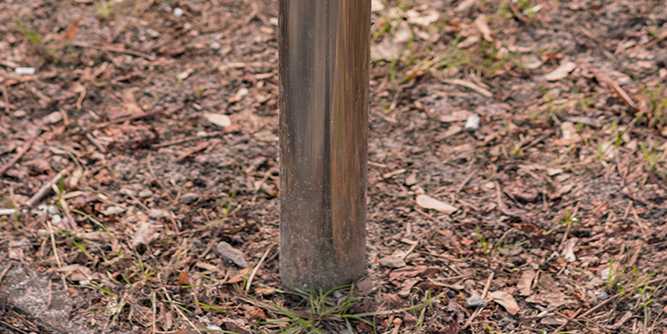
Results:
<point x="560" y="194"/>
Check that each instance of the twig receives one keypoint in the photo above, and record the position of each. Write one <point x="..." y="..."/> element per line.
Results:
<point x="178" y="310"/>
<point x="154" y="320"/>
<point x="22" y="151"/>
<point x="53" y="243"/>
<point x="487" y="286"/>
<point x="114" y="49"/>
<point x="188" y="139"/>
<point x="8" y="106"/>
<point x="46" y="188"/>
<point x="607" y="301"/>
<point x="254" y="270"/>
<point x="5" y="271"/>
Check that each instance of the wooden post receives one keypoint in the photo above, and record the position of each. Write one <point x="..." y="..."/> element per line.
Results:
<point x="324" y="60"/>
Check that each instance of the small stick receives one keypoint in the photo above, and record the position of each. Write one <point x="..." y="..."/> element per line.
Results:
<point x="478" y="311"/>
<point x="188" y="139"/>
<point x="178" y="310"/>
<point x="4" y="272"/>
<point x="114" y="49"/>
<point x="22" y="151"/>
<point x="254" y="271"/>
<point x="153" y="301"/>
<point x="8" y="106"/>
<point x="46" y="188"/>
<point x="53" y="243"/>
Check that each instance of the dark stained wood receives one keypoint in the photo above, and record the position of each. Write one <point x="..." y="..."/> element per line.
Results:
<point x="324" y="59"/>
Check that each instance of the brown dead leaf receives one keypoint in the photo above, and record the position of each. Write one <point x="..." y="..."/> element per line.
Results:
<point x="561" y="71"/>
<point x="506" y="300"/>
<point x="231" y="254"/>
<point x="526" y="282"/>
<point x="428" y="202"/>
<point x="569" y="134"/>
<point x="393" y="261"/>
<point x="551" y="299"/>
<point x="76" y="272"/>
<point x="218" y="119"/>
<point x="183" y="278"/>
<point x="483" y="26"/>
<point x="407" y="286"/>
<point x="72" y="30"/>
<point x="130" y="103"/>
<point x="407" y="273"/>
<point x="568" y="250"/>
<point x="455" y="116"/>
<point x="615" y="87"/>
<point x="146" y="233"/>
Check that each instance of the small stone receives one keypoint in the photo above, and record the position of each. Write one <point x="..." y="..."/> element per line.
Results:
<point x="158" y="213"/>
<point x="189" y="198"/>
<point x="215" y="45"/>
<point x="472" y="123"/>
<point x="7" y="212"/>
<point x="51" y="209"/>
<point x="475" y="300"/>
<point x="178" y="12"/>
<point x="213" y="328"/>
<point x="602" y="295"/>
<point x="145" y="193"/>
<point x="24" y="70"/>
<point x="53" y="117"/>
<point x="113" y="210"/>
<point x="393" y="261"/>
<point x="232" y="254"/>
<point x="56" y="219"/>
<point x="127" y="192"/>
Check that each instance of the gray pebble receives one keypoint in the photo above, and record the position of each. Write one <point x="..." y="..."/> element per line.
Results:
<point x="189" y="198"/>
<point x="475" y="300"/>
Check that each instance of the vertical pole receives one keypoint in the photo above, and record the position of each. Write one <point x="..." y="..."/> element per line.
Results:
<point x="324" y="60"/>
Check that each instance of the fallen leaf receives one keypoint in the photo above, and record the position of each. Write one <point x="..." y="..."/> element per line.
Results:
<point x="130" y="103"/>
<point x="218" y="119"/>
<point x="422" y="19"/>
<point x="530" y="62"/>
<point x="393" y="261"/>
<point x="463" y="83"/>
<point x="551" y="299"/>
<point x="525" y="282"/>
<point x="568" y="250"/>
<point x="407" y="273"/>
<point x="76" y="272"/>
<point x="183" y="278"/>
<point x="232" y="254"/>
<point x="561" y="71"/>
<point x="407" y="286"/>
<point x="377" y="5"/>
<point x="455" y="116"/>
<point x="483" y="27"/>
<point x="569" y="134"/>
<point x="506" y="300"/>
<point x="72" y="30"/>
<point x="428" y="202"/>
<point x="146" y="233"/>
<point x="465" y="5"/>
